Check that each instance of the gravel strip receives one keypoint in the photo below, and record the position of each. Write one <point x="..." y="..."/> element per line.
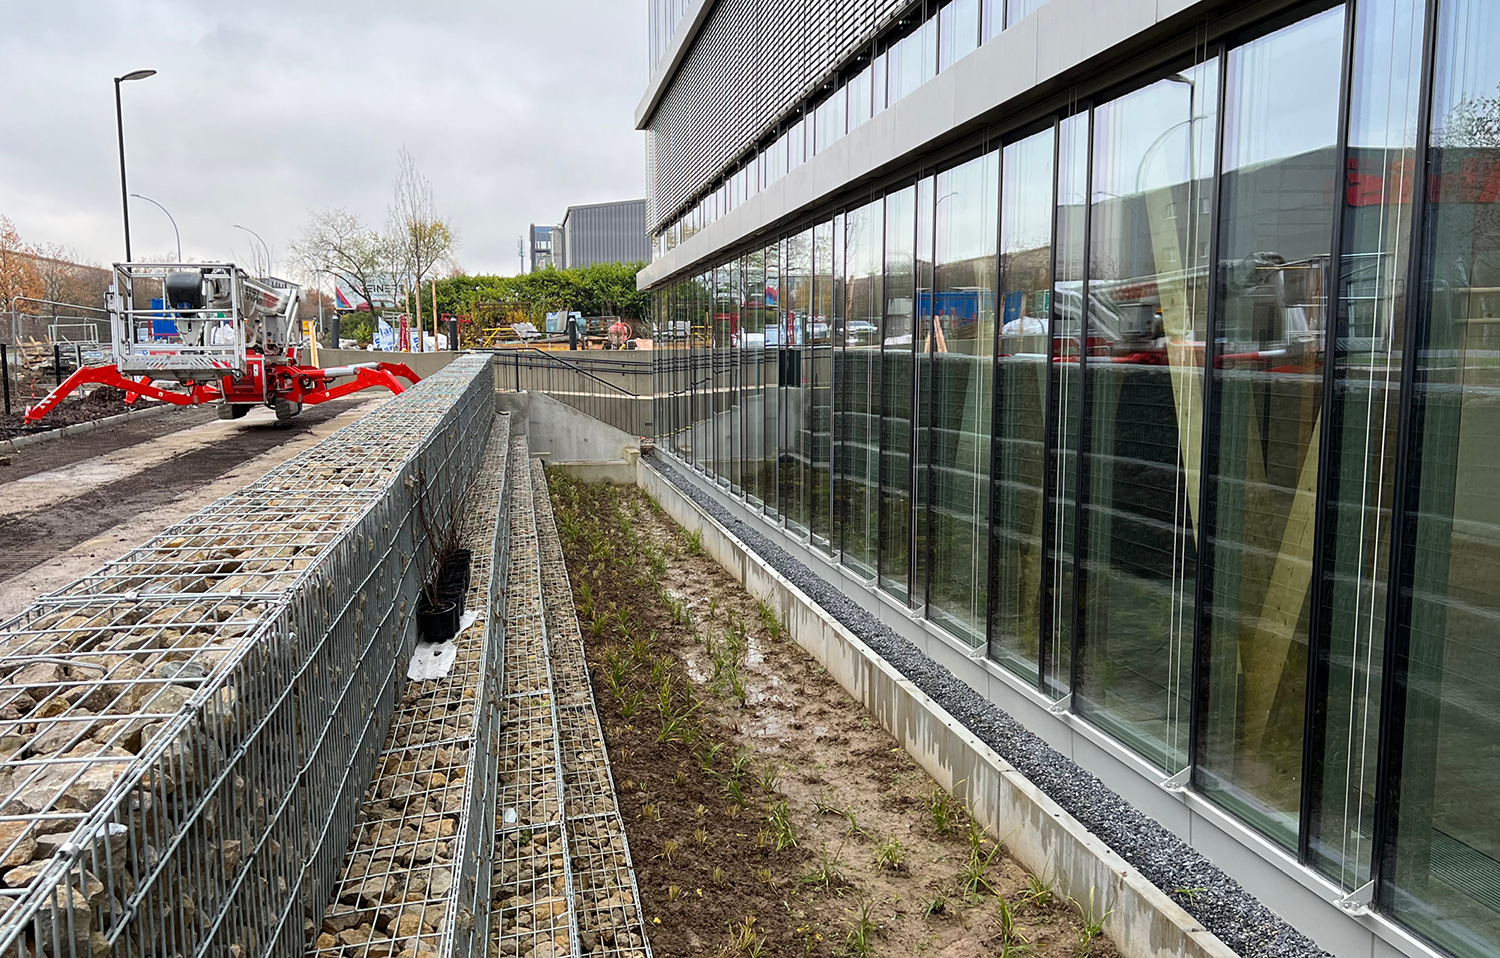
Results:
<point x="1219" y="902"/>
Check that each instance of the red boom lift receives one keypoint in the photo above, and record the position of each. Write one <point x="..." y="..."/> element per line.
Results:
<point x="214" y="334"/>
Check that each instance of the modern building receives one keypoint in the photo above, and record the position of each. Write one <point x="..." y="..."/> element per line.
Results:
<point x="1139" y="360"/>
<point x="540" y="253"/>
<point x="603" y="233"/>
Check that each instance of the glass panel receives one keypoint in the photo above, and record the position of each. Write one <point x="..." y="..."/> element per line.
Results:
<point x="796" y="412"/>
<point x="858" y="381"/>
<point x="702" y="370"/>
<point x="1147" y="319"/>
<point x="896" y="391"/>
<point x="1016" y="9"/>
<point x="1366" y="374"/>
<point x="1020" y="401"/>
<point x="963" y="332"/>
<point x="1447" y="855"/>
<point x="958" y="31"/>
<point x="925" y="347"/>
<point x="771" y="377"/>
<point x="820" y="397"/>
<point x="1065" y="399"/>
<point x="1280" y="132"/>
<point x="724" y="303"/>
<point x="859" y="99"/>
<point x="879" y="83"/>
<point x="752" y="346"/>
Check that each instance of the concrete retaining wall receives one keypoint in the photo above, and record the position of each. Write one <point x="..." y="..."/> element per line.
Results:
<point x="1142" y="921"/>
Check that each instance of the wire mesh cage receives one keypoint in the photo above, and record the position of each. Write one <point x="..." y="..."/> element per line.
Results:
<point x="186" y="734"/>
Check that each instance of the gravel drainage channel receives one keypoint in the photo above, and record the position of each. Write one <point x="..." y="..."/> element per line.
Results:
<point x="407" y="885"/>
<point x="1118" y="830"/>
<point x="606" y="896"/>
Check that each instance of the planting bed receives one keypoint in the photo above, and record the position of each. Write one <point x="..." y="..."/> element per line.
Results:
<point x="766" y="811"/>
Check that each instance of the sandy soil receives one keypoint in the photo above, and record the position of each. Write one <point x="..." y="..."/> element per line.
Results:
<point x="772" y="751"/>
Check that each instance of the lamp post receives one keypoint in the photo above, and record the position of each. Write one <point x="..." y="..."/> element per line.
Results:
<point x="169" y="216"/>
<point x="263" y="246"/>
<point x="120" y="131"/>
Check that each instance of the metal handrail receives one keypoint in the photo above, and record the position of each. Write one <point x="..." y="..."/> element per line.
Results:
<point x="578" y="369"/>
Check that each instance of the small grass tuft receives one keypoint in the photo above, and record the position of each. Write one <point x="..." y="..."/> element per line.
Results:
<point x="890" y="854"/>
<point x="860" y="940"/>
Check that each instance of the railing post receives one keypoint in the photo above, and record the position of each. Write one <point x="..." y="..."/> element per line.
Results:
<point x="5" y="374"/>
<point x="57" y="362"/>
<point x="517" y="357"/>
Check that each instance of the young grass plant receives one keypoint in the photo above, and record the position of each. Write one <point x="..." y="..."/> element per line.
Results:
<point x="1091" y="924"/>
<point x="890" y="854"/>
<point x="828" y="874"/>
<point x="781" y="824"/>
<point x="1012" y="941"/>
<point x="947" y="812"/>
<point x="974" y="877"/>
<point x="862" y="930"/>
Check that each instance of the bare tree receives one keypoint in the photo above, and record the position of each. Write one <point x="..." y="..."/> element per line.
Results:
<point x="339" y="242"/>
<point x="419" y="239"/>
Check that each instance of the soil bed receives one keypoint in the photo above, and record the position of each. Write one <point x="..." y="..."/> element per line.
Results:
<point x="99" y="404"/>
<point x="767" y="812"/>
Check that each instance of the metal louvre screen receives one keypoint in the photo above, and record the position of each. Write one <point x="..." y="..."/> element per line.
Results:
<point x="751" y="62"/>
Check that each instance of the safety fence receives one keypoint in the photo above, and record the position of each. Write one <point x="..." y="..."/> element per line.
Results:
<point x="28" y="372"/>
<point x="613" y="390"/>
<point x="186" y="734"/>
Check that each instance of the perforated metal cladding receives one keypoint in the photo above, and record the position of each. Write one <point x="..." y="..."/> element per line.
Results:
<point x="753" y="60"/>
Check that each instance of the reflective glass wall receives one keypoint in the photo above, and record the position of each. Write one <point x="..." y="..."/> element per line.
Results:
<point x="1184" y="406"/>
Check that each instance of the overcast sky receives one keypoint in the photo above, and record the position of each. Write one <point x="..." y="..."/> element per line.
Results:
<point x="266" y="109"/>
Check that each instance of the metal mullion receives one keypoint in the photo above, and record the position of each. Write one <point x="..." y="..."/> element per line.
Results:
<point x="1319" y="644"/>
<point x="1209" y="437"/>
<point x="880" y="396"/>
<point x="1049" y="427"/>
<point x="1396" y="658"/>
<point x="931" y="406"/>
<point x="999" y="285"/>
<point x="1080" y="469"/>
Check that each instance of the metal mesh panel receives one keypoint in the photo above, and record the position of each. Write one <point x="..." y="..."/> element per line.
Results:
<point x="752" y="61"/>
<point x="187" y="732"/>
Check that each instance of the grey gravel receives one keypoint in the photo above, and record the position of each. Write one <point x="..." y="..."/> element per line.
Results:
<point x="1218" y="901"/>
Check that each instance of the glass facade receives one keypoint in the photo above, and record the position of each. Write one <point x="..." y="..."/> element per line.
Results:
<point x="1183" y="406"/>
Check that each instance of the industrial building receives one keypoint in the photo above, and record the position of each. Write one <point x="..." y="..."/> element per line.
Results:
<point x="1137" y="358"/>
<point x="603" y="233"/>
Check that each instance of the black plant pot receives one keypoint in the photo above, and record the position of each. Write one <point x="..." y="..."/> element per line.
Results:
<point x="437" y="622"/>
<point x="453" y="578"/>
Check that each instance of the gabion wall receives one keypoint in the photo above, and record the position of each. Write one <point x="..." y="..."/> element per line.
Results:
<point x="186" y="734"/>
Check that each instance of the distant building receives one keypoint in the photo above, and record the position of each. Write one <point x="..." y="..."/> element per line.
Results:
<point x="539" y="255"/>
<point x="603" y="233"/>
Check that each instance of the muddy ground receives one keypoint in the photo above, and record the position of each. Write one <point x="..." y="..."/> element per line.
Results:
<point x="767" y="812"/>
<point x="70" y="504"/>
<point x="99" y="404"/>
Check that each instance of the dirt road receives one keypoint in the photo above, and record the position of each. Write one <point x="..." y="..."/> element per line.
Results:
<point x="70" y="505"/>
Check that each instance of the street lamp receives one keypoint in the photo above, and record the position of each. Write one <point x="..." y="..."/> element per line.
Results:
<point x="169" y="216"/>
<point x="120" y="130"/>
<point x="262" y="246"/>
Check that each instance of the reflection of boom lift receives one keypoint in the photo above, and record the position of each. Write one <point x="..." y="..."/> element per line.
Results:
<point x="223" y="336"/>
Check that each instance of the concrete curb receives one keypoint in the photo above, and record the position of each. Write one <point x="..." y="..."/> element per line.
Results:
<point x="1140" y="918"/>
<point x="78" y="428"/>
